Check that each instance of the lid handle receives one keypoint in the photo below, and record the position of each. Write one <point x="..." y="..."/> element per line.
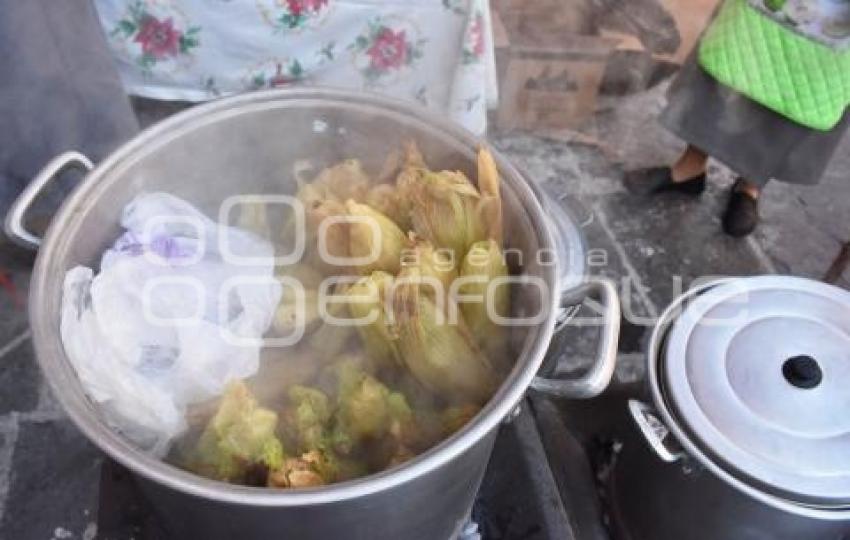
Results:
<point x="802" y="372"/>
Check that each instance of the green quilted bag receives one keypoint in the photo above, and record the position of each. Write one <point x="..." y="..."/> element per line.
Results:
<point x="805" y="81"/>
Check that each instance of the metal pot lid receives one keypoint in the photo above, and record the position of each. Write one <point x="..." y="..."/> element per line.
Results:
<point x="757" y="370"/>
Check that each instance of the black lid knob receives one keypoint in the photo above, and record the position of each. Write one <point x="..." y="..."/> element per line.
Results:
<point x="802" y="371"/>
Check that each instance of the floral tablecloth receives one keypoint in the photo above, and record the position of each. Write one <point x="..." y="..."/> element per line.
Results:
<point x="436" y="52"/>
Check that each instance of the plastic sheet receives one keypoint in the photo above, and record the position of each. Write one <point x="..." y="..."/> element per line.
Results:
<point x="170" y="319"/>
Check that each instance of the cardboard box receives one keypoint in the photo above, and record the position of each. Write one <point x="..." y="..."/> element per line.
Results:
<point x="553" y="53"/>
<point x="547" y="16"/>
<point x="548" y="89"/>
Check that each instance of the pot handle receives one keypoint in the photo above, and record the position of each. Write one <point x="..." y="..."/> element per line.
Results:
<point x="655" y="432"/>
<point x="596" y="380"/>
<point x="14" y="223"/>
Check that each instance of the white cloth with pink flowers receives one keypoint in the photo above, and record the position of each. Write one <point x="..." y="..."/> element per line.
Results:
<point x="435" y="52"/>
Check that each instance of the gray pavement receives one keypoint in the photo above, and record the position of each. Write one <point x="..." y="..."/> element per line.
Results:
<point x="653" y="247"/>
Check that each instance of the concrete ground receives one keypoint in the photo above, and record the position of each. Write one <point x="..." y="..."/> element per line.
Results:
<point x="656" y="247"/>
<point x="652" y="247"/>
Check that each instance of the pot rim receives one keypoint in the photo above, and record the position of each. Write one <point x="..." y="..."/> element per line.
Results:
<point x="655" y="350"/>
<point x="61" y="377"/>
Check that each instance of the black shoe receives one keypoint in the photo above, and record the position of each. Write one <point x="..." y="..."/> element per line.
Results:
<point x="742" y="213"/>
<point x="660" y="180"/>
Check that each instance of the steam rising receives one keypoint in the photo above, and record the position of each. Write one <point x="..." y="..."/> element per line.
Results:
<point x="393" y="311"/>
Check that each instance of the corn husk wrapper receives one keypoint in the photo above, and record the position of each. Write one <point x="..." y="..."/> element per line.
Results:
<point x="387" y="199"/>
<point x="489" y="211"/>
<point x="338" y="183"/>
<point x="443" y="208"/>
<point x="405" y="181"/>
<point x="457" y="416"/>
<point x="366" y="408"/>
<point x="363" y="412"/>
<point x="343" y="181"/>
<point x="408" y="156"/>
<point x="412" y="155"/>
<point x="316" y="467"/>
<point x="310" y="194"/>
<point x="369" y="295"/>
<point x="311" y="469"/>
<point x="238" y="437"/>
<point x="444" y="357"/>
<point x="486" y="262"/>
<point x="388" y="243"/>
<point x="447" y="209"/>
<point x="336" y="235"/>
<point x="390" y="168"/>
<point x="286" y="316"/>
<point x="295" y="473"/>
<point x="307" y="417"/>
<point x="431" y="263"/>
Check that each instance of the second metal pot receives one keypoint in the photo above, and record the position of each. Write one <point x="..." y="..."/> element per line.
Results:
<point x="689" y="481"/>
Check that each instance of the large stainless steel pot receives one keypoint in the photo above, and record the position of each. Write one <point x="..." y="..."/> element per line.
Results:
<point x="749" y="430"/>
<point x="247" y="145"/>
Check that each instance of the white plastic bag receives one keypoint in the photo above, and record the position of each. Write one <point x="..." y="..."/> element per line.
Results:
<point x="169" y="320"/>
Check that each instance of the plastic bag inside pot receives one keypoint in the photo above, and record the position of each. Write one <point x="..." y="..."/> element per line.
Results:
<point x="168" y="320"/>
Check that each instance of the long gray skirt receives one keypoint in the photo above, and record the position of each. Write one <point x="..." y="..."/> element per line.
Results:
<point x="750" y="139"/>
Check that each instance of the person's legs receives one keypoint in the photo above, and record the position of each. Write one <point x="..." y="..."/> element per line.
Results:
<point x="686" y="175"/>
<point x="741" y="215"/>
<point x="749" y="187"/>
<point x="691" y="164"/>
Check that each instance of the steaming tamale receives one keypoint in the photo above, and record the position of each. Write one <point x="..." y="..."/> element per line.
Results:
<point x="442" y="354"/>
<point x="432" y="263"/>
<point x="375" y="238"/>
<point x="367" y="298"/>
<point x="239" y="436"/>
<point x="353" y="399"/>
<point x="483" y="272"/>
<point x="343" y="181"/>
<point x="387" y="199"/>
<point x="443" y="208"/>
